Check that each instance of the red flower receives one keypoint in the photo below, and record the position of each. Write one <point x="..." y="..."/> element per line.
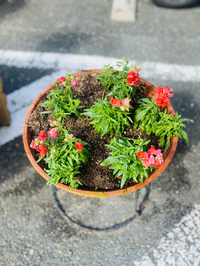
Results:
<point x="151" y="150"/>
<point x="61" y="79"/>
<point x="79" y="146"/>
<point x="133" y="77"/>
<point x="129" y="79"/>
<point x="162" y="102"/>
<point x="140" y="154"/>
<point x="41" y="148"/>
<point x="159" y="90"/>
<point x="157" y="164"/>
<point x="42" y="153"/>
<point x="163" y="96"/>
<point x="42" y="135"/>
<point x="113" y="101"/>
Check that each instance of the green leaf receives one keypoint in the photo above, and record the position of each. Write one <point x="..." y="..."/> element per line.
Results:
<point x="184" y="134"/>
<point x="167" y="145"/>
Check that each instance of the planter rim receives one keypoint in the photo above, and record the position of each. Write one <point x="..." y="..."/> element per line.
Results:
<point x="97" y="193"/>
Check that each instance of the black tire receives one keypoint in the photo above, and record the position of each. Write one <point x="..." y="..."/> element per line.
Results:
<point x="175" y="3"/>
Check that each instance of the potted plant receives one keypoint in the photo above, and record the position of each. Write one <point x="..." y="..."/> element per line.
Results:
<point x="102" y="133"/>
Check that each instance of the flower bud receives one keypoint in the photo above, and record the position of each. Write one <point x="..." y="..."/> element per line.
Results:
<point x="37" y="141"/>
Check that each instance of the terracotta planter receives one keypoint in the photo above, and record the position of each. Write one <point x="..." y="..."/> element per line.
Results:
<point x="151" y="91"/>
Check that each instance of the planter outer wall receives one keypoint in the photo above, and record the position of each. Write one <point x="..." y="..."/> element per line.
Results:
<point x="151" y="91"/>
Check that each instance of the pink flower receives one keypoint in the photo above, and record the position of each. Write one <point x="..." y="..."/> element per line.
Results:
<point x="74" y="83"/>
<point x="157" y="152"/>
<point x="62" y="79"/>
<point x="52" y="123"/>
<point x="42" y="135"/>
<point x="53" y="133"/>
<point x="71" y="136"/>
<point x="159" y="158"/>
<point x="118" y="103"/>
<point x="168" y="91"/>
<point x="151" y="160"/>
<point x="53" y="150"/>
<point x="153" y="151"/>
<point x="146" y="162"/>
<point x="126" y="102"/>
<point x="152" y="157"/>
<point x="123" y="104"/>
<point x="33" y="144"/>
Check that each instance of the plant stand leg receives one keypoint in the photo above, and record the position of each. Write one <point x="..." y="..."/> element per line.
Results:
<point x="138" y="211"/>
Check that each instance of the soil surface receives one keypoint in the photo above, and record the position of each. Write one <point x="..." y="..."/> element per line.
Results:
<point x="93" y="176"/>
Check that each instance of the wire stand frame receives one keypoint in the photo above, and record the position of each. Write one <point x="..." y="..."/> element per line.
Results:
<point x="138" y="211"/>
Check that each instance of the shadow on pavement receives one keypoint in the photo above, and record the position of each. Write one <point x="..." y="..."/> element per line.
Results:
<point x="8" y="7"/>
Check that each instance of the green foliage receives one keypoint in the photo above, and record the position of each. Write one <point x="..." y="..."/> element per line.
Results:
<point x="115" y="81"/>
<point x="63" y="159"/>
<point x="107" y="118"/>
<point x="123" y="159"/>
<point x="163" y="125"/>
<point x="169" y="126"/>
<point x="147" y="115"/>
<point x="60" y="102"/>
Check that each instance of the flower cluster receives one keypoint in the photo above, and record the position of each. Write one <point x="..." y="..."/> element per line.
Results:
<point x="36" y="144"/>
<point x="52" y="133"/>
<point x="133" y="77"/>
<point x="163" y="96"/>
<point x="63" y="79"/>
<point x="123" y="104"/>
<point x="66" y="153"/>
<point x="149" y="159"/>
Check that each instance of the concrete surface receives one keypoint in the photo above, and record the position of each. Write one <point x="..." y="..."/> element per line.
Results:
<point x="31" y="230"/>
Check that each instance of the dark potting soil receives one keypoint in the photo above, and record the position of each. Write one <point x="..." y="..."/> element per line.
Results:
<point x="93" y="176"/>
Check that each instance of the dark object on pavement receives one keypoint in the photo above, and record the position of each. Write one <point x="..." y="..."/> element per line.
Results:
<point x="4" y="113"/>
<point x="176" y="3"/>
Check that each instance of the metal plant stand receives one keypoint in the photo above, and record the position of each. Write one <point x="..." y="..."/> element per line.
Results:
<point x="139" y="207"/>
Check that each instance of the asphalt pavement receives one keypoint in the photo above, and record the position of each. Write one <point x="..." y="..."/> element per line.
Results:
<point x="67" y="36"/>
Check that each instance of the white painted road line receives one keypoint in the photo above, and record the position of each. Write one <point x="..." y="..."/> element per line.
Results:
<point x="71" y="62"/>
<point x="181" y="246"/>
<point x="19" y="102"/>
<point x="25" y="95"/>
